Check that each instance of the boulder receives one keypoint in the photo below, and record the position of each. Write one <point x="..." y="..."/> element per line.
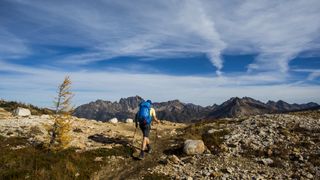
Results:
<point x="22" y="112"/>
<point x="129" y="120"/>
<point x="113" y="120"/>
<point x="192" y="147"/>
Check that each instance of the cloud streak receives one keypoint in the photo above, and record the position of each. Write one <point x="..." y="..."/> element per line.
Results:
<point x="275" y="31"/>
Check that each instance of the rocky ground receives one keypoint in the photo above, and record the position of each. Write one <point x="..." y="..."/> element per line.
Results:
<point x="280" y="146"/>
<point x="260" y="147"/>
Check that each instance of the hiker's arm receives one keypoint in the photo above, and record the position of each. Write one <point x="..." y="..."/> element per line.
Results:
<point x="156" y="119"/>
<point x="153" y="113"/>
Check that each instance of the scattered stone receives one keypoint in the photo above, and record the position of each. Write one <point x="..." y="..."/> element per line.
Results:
<point x="216" y="174"/>
<point x="129" y="120"/>
<point x="173" y="132"/>
<point x="211" y="131"/>
<point x="113" y="120"/>
<point x="207" y="151"/>
<point x="192" y="147"/>
<point x="45" y="116"/>
<point x="230" y="170"/>
<point x="309" y="175"/>
<point x="267" y="161"/>
<point x="22" y="112"/>
<point x="98" y="159"/>
<point x="18" y="147"/>
<point x="223" y="148"/>
<point x="174" y="159"/>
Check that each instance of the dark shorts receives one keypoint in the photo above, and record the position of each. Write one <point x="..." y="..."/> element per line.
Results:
<point x="145" y="130"/>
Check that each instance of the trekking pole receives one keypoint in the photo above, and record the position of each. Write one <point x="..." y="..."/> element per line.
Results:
<point x="156" y="134"/>
<point x="134" y="134"/>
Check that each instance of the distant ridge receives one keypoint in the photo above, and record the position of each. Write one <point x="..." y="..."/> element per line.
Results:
<point x="245" y="106"/>
<point x="10" y="106"/>
<point x="182" y="112"/>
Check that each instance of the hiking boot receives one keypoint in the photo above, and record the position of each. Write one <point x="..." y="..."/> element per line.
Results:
<point x="141" y="156"/>
<point x="149" y="149"/>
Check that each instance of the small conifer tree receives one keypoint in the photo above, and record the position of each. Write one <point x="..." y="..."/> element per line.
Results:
<point x="59" y="132"/>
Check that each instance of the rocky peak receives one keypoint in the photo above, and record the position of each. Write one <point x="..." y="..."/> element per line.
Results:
<point x="131" y="102"/>
<point x="283" y="103"/>
<point x="100" y="101"/>
<point x="178" y="111"/>
<point x="271" y="102"/>
<point x="239" y="107"/>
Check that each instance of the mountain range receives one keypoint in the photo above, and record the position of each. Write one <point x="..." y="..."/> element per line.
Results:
<point x="186" y="112"/>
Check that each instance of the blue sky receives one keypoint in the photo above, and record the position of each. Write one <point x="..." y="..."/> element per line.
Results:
<point x="202" y="51"/>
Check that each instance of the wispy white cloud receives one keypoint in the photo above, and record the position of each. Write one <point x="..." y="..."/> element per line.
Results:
<point x="313" y="73"/>
<point x="195" y="19"/>
<point x="276" y="31"/>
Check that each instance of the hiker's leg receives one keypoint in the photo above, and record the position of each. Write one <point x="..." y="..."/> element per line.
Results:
<point x="147" y="133"/>
<point x="145" y="140"/>
<point x="144" y="143"/>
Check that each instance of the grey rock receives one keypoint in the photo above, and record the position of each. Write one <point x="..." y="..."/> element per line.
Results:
<point x="129" y="120"/>
<point x="192" y="147"/>
<point x="113" y="120"/>
<point x="22" y="112"/>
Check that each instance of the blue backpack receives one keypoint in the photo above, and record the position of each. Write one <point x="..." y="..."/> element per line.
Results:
<point x="144" y="113"/>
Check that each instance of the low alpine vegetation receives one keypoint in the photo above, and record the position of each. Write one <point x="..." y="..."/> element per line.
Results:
<point x="59" y="131"/>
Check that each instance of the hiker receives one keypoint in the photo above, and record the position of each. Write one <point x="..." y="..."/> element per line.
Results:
<point x="144" y="117"/>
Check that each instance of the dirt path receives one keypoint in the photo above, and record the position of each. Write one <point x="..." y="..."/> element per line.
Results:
<point x="132" y="168"/>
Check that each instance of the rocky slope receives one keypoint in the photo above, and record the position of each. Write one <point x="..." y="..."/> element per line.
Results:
<point x="235" y="107"/>
<point x="177" y="111"/>
<point x="269" y="146"/>
<point x="246" y="106"/>
<point x="280" y="146"/>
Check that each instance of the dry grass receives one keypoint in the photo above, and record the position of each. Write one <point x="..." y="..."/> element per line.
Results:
<point x="39" y="163"/>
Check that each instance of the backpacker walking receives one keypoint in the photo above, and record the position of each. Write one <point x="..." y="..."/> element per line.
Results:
<point x="144" y="117"/>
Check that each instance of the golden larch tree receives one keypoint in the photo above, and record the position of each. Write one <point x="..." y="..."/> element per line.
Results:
<point x="60" y="131"/>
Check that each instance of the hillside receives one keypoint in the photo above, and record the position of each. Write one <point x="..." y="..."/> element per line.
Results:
<point x="280" y="146"/>
<point x="177" y="111"/>
<point x="236" y="107"/>
<point x="10" y="106"/>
